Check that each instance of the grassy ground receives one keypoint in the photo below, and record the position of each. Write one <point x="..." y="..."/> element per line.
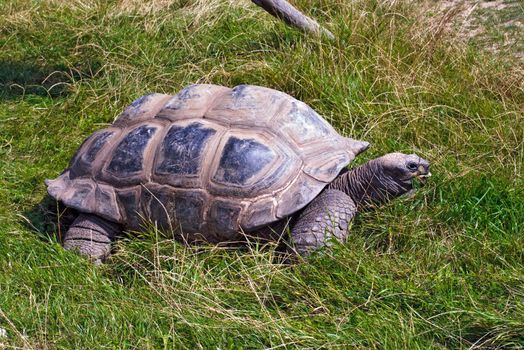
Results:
<point x="494" y="25"/>
<point x="444" y="269"/>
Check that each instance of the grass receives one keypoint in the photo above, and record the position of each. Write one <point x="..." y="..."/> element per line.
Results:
<point x="444" y="269"/>
<point x="502" y="27"/>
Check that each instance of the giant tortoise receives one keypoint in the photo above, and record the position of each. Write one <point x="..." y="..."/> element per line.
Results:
<point x="216" y="164"/>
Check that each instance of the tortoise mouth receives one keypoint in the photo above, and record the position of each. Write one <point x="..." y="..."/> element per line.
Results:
<point x="423" y="178"/>
<point x="418" y="178"/>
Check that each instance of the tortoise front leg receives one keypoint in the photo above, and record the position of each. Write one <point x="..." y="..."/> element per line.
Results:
<point x="326" y="217"/>
<point x="91" y="236"/>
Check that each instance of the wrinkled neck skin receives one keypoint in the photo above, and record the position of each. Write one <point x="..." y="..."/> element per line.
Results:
<point x="369" y="186"/>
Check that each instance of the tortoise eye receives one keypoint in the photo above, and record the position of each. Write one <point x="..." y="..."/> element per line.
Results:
<point x="412" y="166"/>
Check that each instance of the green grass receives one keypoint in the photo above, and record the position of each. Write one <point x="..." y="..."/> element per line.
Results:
<point x="444" y="269"/>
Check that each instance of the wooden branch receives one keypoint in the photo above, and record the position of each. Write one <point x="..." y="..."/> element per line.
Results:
<point x="292" y="16"/>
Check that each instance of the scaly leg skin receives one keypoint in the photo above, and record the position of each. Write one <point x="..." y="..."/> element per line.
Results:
<point x="91" y="236"/>
<point x="326" y="217"/>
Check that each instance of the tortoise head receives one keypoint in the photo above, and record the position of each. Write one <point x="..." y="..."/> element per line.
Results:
<point x="398" y="170"/>
<point x="382" y="179"/>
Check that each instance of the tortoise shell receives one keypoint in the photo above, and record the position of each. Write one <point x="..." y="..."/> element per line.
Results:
<point x="210" y="160"/>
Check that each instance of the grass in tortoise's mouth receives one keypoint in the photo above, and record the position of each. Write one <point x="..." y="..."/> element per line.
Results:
<point x="423" y="178"/>
<point x="416" y="182"/>
<point x="419" y="179"/>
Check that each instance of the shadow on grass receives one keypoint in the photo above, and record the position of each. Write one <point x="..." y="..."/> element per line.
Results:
<point x="49" y="219"/>
<point x="492" y="337"/>
<point x="18" y="79"/>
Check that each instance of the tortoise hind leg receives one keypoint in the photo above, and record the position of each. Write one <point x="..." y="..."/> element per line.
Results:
<point x="326" y="217"/>
<point x="91" y="236"/>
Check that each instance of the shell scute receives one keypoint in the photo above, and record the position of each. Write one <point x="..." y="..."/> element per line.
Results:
<point x="192" y="102"/>
<point x="323" y="166"/>
<point x="83" y="163"/>
<point x="251" y="164"/>
<point x="259" y="214"/>
<point x="182" y="148"/>
<point x="142" y="109"/>
<point x="105" y="198"/>
<point x="246" y="105"/>
<point x="129" y="201"/>
<point x="299" y="193"/>
<point x="174" y="210"/>
<point x="98" y="142"/>
<point x="223" y="218"/>
<point x="242" y="160"/>
<point x="303" y="124"/>
<point x="189" y="210"/>
<point x="82" y="195"/>
<point x="128" y="156"/>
